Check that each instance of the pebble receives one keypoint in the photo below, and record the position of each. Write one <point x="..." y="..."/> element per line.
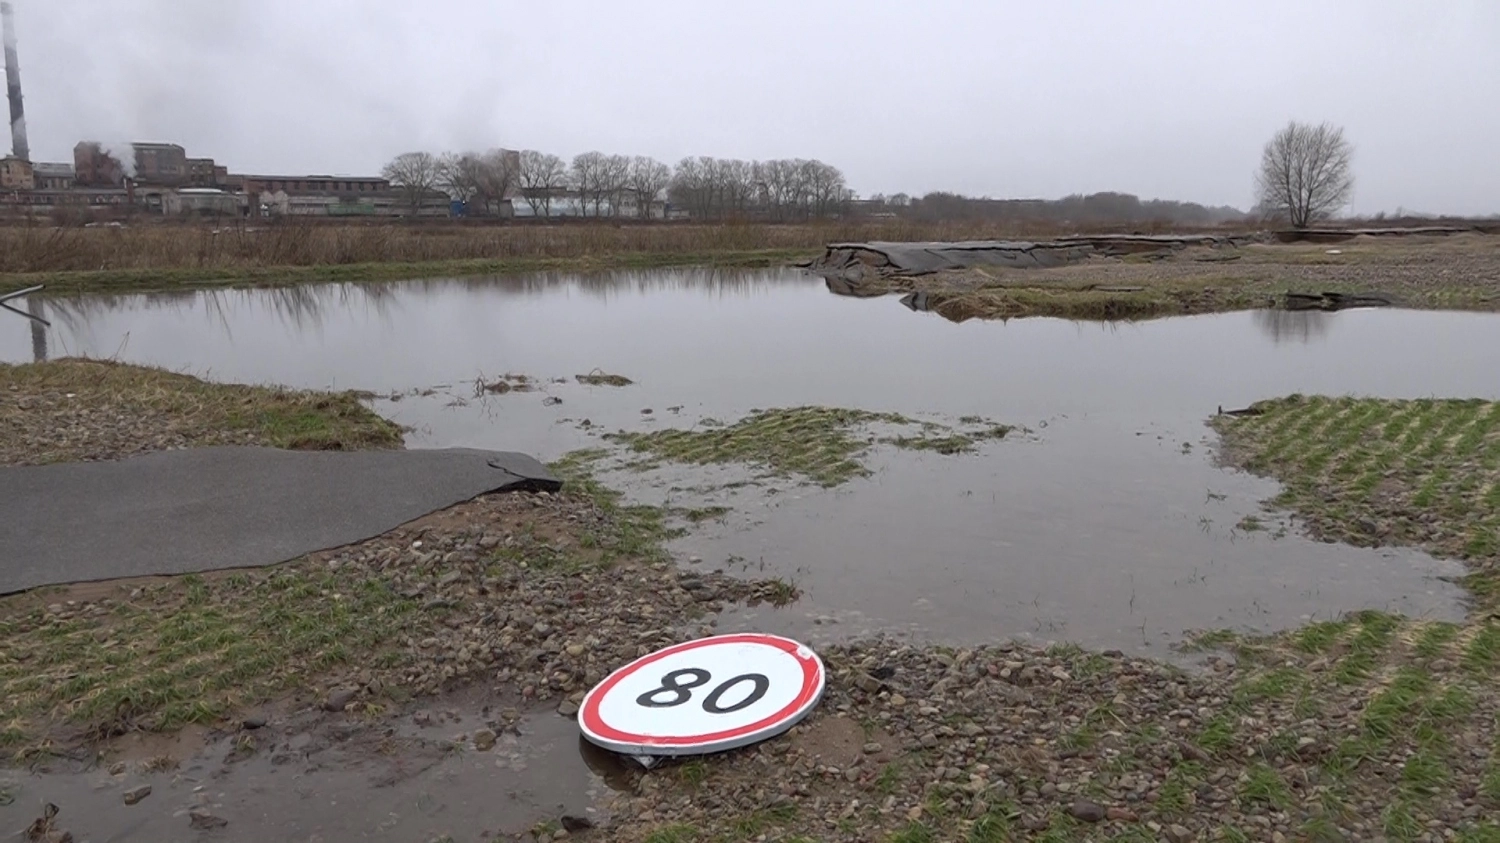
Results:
<point x="872" y="747"/>
<point x="253" y="722"/>
<point x="339" y="699"/>
<point x="1089" y="812"/>
<point x="484" y="739"/>
<point x="568" y="708"/>
<point x="136" y="794"/>
<point x="202" y="818"/>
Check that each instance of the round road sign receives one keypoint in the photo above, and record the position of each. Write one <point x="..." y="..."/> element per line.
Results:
<point x="704" y="696"/>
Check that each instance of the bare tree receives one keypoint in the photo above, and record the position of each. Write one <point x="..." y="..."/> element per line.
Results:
<point x="459" y="175"/>
<point x="1305" y="173"/>
<point x="541" y="174"/>
<point x="648" y="178"/>
<point x="496" y="173"/>
<point x="415" y="174"/>
<point x="589" y="179"/>
<point x="614" y="180"/>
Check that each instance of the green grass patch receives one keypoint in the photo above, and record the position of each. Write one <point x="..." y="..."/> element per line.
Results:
<point x="914" y="832"/>
<point x="1218" y="735"/>
<point x="60" y="396"/>
<point x="1263" y="785"/>
<point x="675" y="833"/>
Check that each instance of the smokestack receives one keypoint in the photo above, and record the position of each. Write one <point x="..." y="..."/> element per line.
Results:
<point x="18" y="143"/>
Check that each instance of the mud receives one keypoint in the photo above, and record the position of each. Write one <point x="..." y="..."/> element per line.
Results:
<point x="308" y="775"/>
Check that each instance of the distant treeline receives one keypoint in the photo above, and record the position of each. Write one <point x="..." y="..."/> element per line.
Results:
<point x="1079" y="209"/>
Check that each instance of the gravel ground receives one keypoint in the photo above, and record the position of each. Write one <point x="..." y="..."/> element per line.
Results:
<point x="1010" y="743"/>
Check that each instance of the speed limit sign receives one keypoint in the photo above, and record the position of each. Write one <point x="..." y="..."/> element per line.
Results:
<point x="704" y="696"/>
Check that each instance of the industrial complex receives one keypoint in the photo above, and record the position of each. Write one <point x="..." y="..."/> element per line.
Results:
<point x="161" y="178"/>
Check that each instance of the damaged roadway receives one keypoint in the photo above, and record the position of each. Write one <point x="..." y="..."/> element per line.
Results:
<point x="200" y="509"/>
<point x="1139" y="277"/>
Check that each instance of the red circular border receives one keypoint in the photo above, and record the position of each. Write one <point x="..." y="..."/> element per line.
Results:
<point x="589" y="715"/>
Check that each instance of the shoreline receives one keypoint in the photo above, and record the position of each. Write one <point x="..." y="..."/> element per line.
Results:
<point x="116" y="281"/>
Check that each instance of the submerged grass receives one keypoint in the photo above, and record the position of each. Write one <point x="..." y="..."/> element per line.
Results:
<point x="1368" y="471"/>
<point x="823" y="445"/>
<point x="76" y="409"/>
<point x="817" y="443"/>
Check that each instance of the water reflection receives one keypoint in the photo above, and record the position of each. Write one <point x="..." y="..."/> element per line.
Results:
<point x="1293" y="325"/>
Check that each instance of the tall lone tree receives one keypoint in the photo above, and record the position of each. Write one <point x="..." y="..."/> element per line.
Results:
<point x="1305" y="173"/>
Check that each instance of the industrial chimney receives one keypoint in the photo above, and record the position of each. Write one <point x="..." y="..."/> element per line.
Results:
<point x="18" y="143"/>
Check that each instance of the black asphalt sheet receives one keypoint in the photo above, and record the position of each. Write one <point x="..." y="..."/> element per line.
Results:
<point x="201" y="509"/>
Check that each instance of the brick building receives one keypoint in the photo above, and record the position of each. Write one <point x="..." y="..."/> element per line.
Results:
<point x="16" y="174"/>
<point x="93" y="167"/>
<point x="161" y="163"/>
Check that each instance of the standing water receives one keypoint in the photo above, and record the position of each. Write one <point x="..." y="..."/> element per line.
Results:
<point x="1108" y="523"/>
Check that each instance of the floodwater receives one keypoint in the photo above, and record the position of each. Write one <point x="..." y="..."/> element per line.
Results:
<point x="331" y="779"/>
<point x="1108" y="523"/>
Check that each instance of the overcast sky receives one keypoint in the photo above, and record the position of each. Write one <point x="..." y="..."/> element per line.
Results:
<point x="1162" y="98"/>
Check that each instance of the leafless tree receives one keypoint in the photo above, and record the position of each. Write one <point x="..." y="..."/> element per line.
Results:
<point x="690" y="187"/>
<point x="1305" y="173"/>
<point x="614" y="181"/>
<point x="497" y="173"/>
<point x="459" y="175"/>
<point x="541" y="174"/>
<point x="590" y="180"/>
<point x="648" y="177"/>
<point x="415" y="174"/>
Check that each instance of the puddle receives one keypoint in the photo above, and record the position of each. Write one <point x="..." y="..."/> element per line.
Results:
<point x="1109" y="525"/>
<point x="334" y="778"/>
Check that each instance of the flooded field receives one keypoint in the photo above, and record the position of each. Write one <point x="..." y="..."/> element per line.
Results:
<point x="1106" y="522"/>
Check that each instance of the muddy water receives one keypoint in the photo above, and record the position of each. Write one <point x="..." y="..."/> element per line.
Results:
<point x="1109" y="524"/>
<point x="331" y="779"/>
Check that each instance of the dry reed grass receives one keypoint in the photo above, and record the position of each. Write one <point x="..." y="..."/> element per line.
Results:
<point x="47" y="249"/>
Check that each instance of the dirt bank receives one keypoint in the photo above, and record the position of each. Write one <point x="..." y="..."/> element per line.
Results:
<point x="74" y="409"/>
<point x="1450" y="272"/>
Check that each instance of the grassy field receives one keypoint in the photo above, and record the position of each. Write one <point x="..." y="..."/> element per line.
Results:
<point x="75" y="409"/>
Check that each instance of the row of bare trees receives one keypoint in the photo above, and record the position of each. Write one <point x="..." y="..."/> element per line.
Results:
<point x="601" y="185"/>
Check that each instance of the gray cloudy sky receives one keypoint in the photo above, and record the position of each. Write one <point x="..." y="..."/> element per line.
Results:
<point x="1162" y="98"/>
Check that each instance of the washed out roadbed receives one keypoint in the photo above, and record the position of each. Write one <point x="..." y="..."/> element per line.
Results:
<point x="1455" y="273"/>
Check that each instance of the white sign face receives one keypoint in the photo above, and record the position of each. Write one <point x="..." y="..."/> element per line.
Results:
<point x="704" y="696"/>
